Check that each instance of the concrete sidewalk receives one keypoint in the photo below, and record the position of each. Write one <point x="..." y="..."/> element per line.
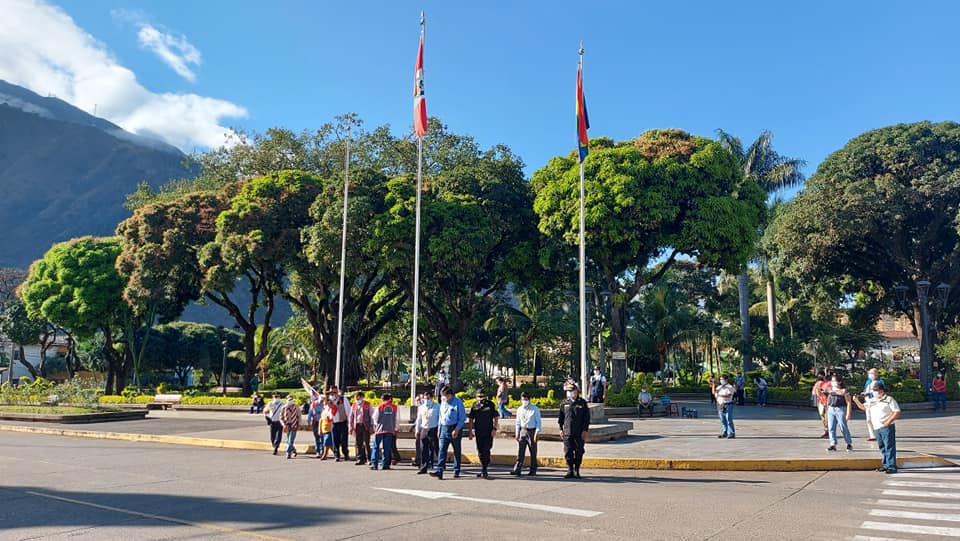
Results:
<point x="774" y="439"/>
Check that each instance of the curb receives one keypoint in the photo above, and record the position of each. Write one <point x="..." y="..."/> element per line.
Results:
<point x="594" y="463"/>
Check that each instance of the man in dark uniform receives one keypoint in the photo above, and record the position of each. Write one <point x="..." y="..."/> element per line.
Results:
<point x="484" y="418"/>
<point x="574" y="424"/>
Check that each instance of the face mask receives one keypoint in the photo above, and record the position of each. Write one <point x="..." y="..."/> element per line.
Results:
<point x="359" y="401"/>
<point x="723" y="382"/>
<point x="872" y="376"/>
<point x="443" y="399"/>
<point x="332" y="397"/>
<point x="833" y="382"/>
<point x="569" y="394"/>
<point x="525" y="402"/>
<point x="596" y="372"/>
<point x="643" y="391"/>
<point x="428" y="402"/>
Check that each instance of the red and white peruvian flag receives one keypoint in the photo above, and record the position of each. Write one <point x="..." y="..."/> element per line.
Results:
<point x="419" y="100"/>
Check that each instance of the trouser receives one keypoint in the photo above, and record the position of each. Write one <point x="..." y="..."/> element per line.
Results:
<point x="887" y="442"/>
<point x="573" y="449"/>
<point x="446" y="440"/>
<point x="394" y="452"/>
<point x="291" y="436"/>
<point x="838" y="416"/>
<point x="726" y="420"/>
<point x="341" y="441"/>
<point x="503" y="410"/>
<point x="484" y="445"/>
<point x="762" y="396"/>
<point x="822" y="410"/>
<point x="940" y="401"/>
<point x="361" y="440"/>
<point x="317" y="440"/>
<point x="740" y="396"/>
<point x="276" y="434"/>
<point x="428" y="448"/>
<point x="382" y="445"/>
<point x="871" y="433"/>
<point x="527" y="441"/>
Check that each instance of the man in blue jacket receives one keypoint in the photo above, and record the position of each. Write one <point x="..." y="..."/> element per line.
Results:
<point x="452" y="416"/>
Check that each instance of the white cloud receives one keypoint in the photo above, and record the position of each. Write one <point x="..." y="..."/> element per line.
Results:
<point x="71" y="64"/>
<point x="178" y="53"/>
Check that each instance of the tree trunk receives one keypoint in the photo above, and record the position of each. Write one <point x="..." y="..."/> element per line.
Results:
<point x="771" y="304"/>
<point x="455" y="349"/>
<point x="34" y="373"/>
<point x="743" y="291"/>
<point x="617" y="343"/>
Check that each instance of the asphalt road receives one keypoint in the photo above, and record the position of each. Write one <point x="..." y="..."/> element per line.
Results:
<point x="65" y="488"/>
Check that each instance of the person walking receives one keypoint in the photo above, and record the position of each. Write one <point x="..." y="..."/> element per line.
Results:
<point x="385" y="424"/>
<point x="442" y="381"/>
<point x="740" y="383"/>
<point x="290" y="418"/>
<point x="527" y="434"/>
<point x="425" y="430"/>
<point x="452" y="417"/>
<point x="341" y="411"/>
<point x="725" y="394"/>
<point x="484" y="421"/>
<point x="598" y="387"/>
<point x="574" y="420"/>
<point x="939" y="392"/>
<point x="839" y="410"/>
<point x="360" y="424"/>
<point x="503" y="398"/>
<point x="820" y="392"/>
<point x="872" y="377"/>
<point x="761" y="391"/>
<point x="314" y="411"/>
<point x="272" y="414"/>
<point x="884" y="412"/>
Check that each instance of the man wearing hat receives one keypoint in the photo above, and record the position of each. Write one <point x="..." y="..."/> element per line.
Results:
<point x="484" y="419"/>
<point x="527" y="433"/>
<point x="574" y="423"/>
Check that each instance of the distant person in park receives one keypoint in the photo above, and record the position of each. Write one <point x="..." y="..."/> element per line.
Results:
<point x="598" y="387"/>
<point x="740" y="383"/>
<point x="360" y="425"/>
<point x="341" y="439"/>
<point x="256" y="404"/>
<point x="712" y="382"/>
<point x="939" y="390"/>
<point x="425" y="430"/>
<point x="820" y="393"/>
<point x="254" y="383"/>
<point x="872" y="377"/>
<point x="839" y="410"/>
<point x="645" y="402"/>
<point x="761" y="391"/>
<point x="883" y="412"/>
<point x="442" y="381"/>
<point x="452" y="417"/>
<point x="386" y="421"/>
<point x="527" y="433"/>
<point x="484" y="421"/>
<point x="725" y="395"/>
<point x="503" y="397"/>
<point x="290" y="418"/>
<point x="272" y="413"/>
<point x="574" y="420"/>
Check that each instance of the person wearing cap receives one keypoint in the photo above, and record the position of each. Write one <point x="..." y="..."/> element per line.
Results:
<point x="883" y="411"/>
<point x="385" y="424"/>
<point x="527" y="433"/>
<point x="272" y="414"/>
<point x="360" y="425"/>
<point x="873" y="377"/>
<point x="484" y="420"/>
<point x="290" y="418"/>
<point x="425" y="430"/>
<point x="341" y="409"/>
<point x="452" y="417"/>
<point x="574" y="422"/>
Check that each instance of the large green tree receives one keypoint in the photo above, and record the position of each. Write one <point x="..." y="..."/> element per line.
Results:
<point x="648" y="200"/>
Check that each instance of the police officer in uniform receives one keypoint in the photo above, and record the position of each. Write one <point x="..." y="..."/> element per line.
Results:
<point x="574" y="424"/>
<point x="484" y="418"/>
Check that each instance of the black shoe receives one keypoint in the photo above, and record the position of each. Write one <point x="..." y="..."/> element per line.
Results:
<point x="849" y="448"/>
<point x="275" y="451"/>
<point x="485" y="475"/>
<point x="570" y="474"/>
<point x="832" y="448"/>
<point x="532" y="473"/>
<point x="732" y="437"/>
<point x="890" y="471"/>
<point x="337" y="459"/>
<point x="360" y="463"/>
<point x="576" y="472"/>
<point x="456" y="475"/>
<point x="436" y="474"/>
<point x="721" y="436"/>
<point x="515" y="472"/>
<point x="373" y="467"/>
<point x="883" y="470"/>
<point x="386" y="468"/>
<point x="421" y="471"/>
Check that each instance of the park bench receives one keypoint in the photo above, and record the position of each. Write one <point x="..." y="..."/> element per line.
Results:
<point x="164" y="401"/>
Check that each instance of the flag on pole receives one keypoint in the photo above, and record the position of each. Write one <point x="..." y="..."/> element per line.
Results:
<point x="311" y="392"/>
<point x="419" y="100"/>
<point x="583" y="123"/>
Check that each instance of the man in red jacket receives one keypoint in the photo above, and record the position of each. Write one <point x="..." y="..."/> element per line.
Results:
<point x="386" y="420"/>
<point x="361" y="424"/>
<point x="939" y="392"/>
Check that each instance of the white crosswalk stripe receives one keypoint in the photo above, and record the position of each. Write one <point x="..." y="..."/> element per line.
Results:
<point x="914" y="505"/>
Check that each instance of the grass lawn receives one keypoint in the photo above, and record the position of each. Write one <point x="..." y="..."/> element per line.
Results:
<point x="49" y="410"/>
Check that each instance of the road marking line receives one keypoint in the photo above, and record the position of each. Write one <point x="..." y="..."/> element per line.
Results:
<point x="921" y="484"/>
<point x="174" y="520"/>
<point x="432" y="495"/>
<point x="918" y="475"/>
<point x="946" y="517"/>
<point x="920" y="505"/>
<point x="911" y="528"/>
<point x="922" y="494"/>
<point x="871" y="538"/>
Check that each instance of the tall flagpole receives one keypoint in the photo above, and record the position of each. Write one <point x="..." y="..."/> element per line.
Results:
<point x="416" y="255"/>
<point x="343" y="260"/>
<point x="583" y="272"/>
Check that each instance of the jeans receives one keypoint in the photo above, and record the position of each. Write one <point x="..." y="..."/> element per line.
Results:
<point x="762" y="397"/>
<point x="317" y="439"/>
<point x="382" y="446"/>
<point x="726" y="420"/>
<point x="276" y="433"/>
<point x="291" y="436"/>
<point x="446" y="438"/>
<point x="838" y="416"/>
<point x="503" y="410"/>
<point x="887" y="441"/>
<point x="341" y="443"/>
<point x="940" y="401"/>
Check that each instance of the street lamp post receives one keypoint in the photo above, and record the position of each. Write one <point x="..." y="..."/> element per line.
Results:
<point x="223" y="364"/>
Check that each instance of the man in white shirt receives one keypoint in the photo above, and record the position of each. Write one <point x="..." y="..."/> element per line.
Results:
<point x="883" y="411"/>
<point x="645" y="401"/>
<point x="725" y="394"/>
<point x="527" y="433"/>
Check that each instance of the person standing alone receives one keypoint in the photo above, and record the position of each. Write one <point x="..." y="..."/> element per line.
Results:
<point x="503" y="398"/>
<point x="939" y="393"/>
<point x="528" y="428"/>
<point x="725" y="394"/>
<point x="574" y="422"/>
<point x="484" y="420"/>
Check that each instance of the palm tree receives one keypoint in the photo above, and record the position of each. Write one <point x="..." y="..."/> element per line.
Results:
<point x="772" y="172"/>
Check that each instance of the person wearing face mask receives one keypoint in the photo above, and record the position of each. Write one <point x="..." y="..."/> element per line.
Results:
<point x="645" y="402"/>
<point x="574" y="422"/>
<point x="385" y="424"/>
<point x="725" y="394"/>
<point x="528" y="429"/>
<point x="484" y="419"/>
<point x="839" y="410"/>
<point x="872" y="378"/>
<point x="939" y="390"/>
<point x="425" y="428"/>
<point x="884" y="411"/>
<point x="360" y="425"/>
<point x="442" y="381"/>
<point x="290" y="418"/>
<point x="452" y="417"/>
<point x="598" y="387"/>
<point x="341" y="440"/>
<point x="272" y="414"/>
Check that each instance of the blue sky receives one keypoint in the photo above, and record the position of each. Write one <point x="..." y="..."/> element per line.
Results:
<point x="814" y="73"/>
